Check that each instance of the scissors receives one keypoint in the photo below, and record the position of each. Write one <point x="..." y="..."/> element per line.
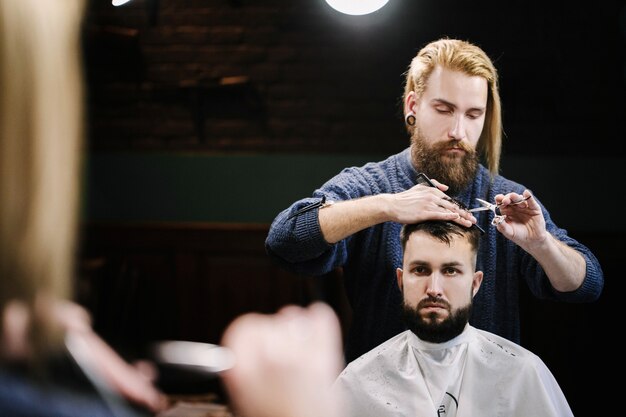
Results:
<point x="486" y="205"/>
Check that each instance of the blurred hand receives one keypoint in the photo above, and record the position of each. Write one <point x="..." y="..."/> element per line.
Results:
<point x="285" y="363"/>
<point x="133" y="383"/>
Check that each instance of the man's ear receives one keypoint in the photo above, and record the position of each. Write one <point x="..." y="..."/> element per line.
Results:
<point x="410" y="103"/>
<point x="399" y="277"/>
<point x="478" y="279"/>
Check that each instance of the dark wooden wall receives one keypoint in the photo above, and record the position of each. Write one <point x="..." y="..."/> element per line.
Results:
<point x="147" y="282"/>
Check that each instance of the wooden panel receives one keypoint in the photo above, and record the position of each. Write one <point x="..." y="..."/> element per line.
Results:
<point x="159" y="281"/>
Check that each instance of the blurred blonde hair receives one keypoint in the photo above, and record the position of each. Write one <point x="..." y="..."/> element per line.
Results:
<point x="40" y="143"/>
<point x="462" y="56"/>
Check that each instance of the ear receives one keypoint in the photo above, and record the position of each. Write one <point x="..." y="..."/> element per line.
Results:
<point x="410" y="103"/>
<point x="478" y="279"/>
<point x="399" y="277"/>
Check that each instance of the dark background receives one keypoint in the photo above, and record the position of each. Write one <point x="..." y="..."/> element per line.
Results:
<point x="207" y="117"/>
<point x="311" y="79"/>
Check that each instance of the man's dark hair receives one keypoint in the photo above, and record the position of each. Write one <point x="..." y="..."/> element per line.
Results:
<point x="441" y="230"/>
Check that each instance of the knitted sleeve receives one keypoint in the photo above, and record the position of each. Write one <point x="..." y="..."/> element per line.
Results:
<point x="538" y="281"/>
<point x="295" y="239"/>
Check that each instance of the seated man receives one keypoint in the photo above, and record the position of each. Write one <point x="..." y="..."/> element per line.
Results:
<point x="442" y="366"/>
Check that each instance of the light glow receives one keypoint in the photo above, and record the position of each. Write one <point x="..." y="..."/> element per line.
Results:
<point x="356" y="7"/>
<point x="119" y="2"/>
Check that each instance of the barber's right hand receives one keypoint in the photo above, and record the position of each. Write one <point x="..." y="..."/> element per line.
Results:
<point x="421" y="203"/>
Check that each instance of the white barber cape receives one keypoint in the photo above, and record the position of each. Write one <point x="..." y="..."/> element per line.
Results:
<point x="476" y="374"/>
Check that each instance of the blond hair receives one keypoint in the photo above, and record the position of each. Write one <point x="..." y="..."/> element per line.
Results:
<point x="40" y="143"/>
<point x="462" y="56"/>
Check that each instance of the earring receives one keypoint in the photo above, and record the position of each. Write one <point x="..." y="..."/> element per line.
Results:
<point x="410" y="119"/>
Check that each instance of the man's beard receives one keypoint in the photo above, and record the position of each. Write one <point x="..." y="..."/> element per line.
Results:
<point x="429" y="329"/>
<point x="455" y="172"/>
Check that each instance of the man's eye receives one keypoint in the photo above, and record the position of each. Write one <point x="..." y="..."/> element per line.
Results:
<point x="420" y="270"/>
<point x="450" y="271"/>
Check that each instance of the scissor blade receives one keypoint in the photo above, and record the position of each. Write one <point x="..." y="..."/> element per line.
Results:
<point x="478" y="209"/>
<point x="485" y="205"/>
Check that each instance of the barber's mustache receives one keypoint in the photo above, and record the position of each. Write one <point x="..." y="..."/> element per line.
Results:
<point x="454" y="144"/>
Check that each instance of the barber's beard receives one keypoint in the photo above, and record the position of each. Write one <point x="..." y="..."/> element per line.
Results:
<point x="457" y="172"/>
<point x="429" y="328"/>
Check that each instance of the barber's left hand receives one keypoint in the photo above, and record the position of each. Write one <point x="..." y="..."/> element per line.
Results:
<point x="524" y="223"/>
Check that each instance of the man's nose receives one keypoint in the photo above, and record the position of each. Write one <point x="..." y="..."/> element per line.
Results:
<point x="457" y="130"/>
<point x="434" y="286"/>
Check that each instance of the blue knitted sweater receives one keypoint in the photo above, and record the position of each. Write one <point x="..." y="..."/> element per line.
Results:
<point x="369" y="258"/>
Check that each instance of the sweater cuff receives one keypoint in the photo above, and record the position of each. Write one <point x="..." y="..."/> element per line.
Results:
<point x="591" y="287"/>
<point x="308" y="232"/>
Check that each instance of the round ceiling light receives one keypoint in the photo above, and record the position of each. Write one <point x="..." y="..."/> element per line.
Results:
<point x="356" y="7"/>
